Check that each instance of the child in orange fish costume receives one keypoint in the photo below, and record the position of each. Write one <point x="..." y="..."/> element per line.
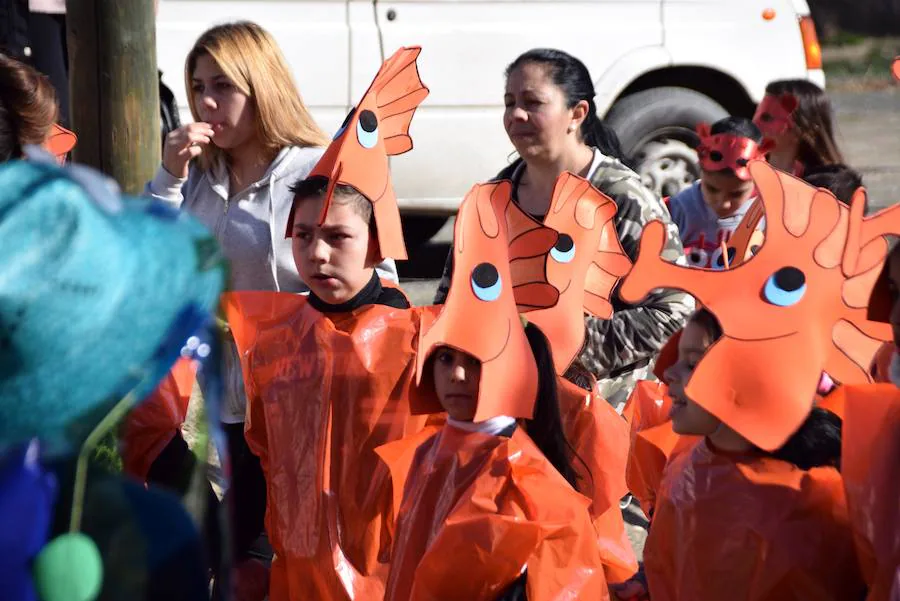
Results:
<point x="754" y="511"/>
<point x="871" y="441"/>
<point x="584" y="264"/>
<point x="487" y="511"/>
<point x="326" y="375"/>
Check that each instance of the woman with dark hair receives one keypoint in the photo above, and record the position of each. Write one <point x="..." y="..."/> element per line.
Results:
<point x="551" y="120"/>
<point x="797" y="116"/>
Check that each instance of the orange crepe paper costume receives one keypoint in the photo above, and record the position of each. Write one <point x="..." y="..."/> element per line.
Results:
<point x="870" y="466"/>
<point x="585" y="264"/>
<point x="322" y="394"/>
<point x="480" y="316"/>
<point x="718" y="152"/>
<point x="789" y="324"/>
<point x="377" y="128"/>
<point x="153" y="424"/>
<point x="773" y="115"/>
<point x="479" y="509"/>
<point x="599" y="436"/>
<point x="749" y="528"/>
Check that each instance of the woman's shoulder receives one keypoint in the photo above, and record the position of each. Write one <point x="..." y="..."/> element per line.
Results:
<point x="298" y="161"/>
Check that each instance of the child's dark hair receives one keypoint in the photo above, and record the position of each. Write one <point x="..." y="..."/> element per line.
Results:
<point x="813" y="122"/>
<point x="545" y="428"/>
<point x="839" y="179"/>
<point x="572" y="77"/>
<point x="816" y="443"/>
<point x="317" y="186"/>
<point x="737" y="126"/>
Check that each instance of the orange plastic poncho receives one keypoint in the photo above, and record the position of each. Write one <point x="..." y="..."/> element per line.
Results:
<point x="153" y="424"/>
<point x="599" y="437"/>
<point x="749" y="528"/>
<point x="323" y="393"/>
<point x="870" y="465"/>
<point x="653" y="443"/>
<point x="471" y="495"/>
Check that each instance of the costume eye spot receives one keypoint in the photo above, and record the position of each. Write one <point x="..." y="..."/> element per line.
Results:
<point x="486" y="282"/>
<point x="785" y="287"/>
<point x="564" y="249"/>
<point x="367" y="129"/>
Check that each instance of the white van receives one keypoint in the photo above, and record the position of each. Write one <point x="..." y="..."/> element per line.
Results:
<point x="660" y="67"/>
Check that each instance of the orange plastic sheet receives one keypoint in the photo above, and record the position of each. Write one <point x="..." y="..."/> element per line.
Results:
<point x="870" y="465"/>
<point x="653" y="443"/>
<point x="750" y="528"/>
<point x="322" y="394"/>
<point x="479" y="509"/>
<point x="599" y="436"/>
<point x="153" y="424"/>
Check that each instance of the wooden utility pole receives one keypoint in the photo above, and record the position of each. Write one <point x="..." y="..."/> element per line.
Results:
<point x="114" y="88"/>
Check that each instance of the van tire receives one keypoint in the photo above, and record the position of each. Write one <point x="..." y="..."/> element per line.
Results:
<point x="666" y="115"/>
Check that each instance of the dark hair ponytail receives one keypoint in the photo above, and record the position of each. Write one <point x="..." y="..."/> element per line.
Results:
<point x="813" y="121"/>
<point x="571" y="76"/>
<point x="818" y="441"/>
<point x="545" y="428"/>
<point x="816" y="444"/>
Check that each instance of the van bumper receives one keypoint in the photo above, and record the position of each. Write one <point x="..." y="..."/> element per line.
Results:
<point x="817" y="76"/>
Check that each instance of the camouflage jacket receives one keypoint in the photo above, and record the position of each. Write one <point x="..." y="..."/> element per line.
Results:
<point x="620" y="351"/>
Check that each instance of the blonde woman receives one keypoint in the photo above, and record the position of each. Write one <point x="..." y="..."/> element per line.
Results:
<point x="253" y="138"/>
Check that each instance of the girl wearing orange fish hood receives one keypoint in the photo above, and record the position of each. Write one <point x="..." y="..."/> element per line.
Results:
<point x="487" y="511"/>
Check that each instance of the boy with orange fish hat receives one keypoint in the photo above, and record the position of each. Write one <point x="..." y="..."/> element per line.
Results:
<point x="325" y="374"/>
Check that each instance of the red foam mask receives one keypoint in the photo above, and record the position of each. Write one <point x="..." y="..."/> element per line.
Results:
<point x="728" y="151"/>
<point x="800" y="309"/>
<point x="377" y="128"/>
<point x="480" y="316"/>
<point x="585" y="264"/>
<point x="773" y="115"/>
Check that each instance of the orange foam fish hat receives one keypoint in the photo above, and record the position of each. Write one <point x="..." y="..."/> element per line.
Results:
<point x="794" y="309"/>
<point x="480" y="316"/>
<point x="377" y="128"/>
<point x="585" y="264"/>
<point x="61" y="142"/>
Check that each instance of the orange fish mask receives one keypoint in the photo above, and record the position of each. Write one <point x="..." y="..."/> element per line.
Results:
<point x="585" y="264"/>
<point x="773" y="115"/>
<point x="789" y="323"/>
<point x="61" y="142"/>
<point x="377" y="128"/>
<point x="718" y="152"/>
<point x="480" y="316"/>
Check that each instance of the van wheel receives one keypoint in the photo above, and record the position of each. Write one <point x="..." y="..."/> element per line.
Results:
<point x="419" y="229"/>
<point x="656" y="128"/>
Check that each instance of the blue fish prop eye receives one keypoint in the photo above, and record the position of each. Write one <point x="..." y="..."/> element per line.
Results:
<point x="486" y="282"/>
<point x="343" y="126"/>
<point x="564" y="249"/>
<point x="367" y="129"/>
<point x="785" y="287"/>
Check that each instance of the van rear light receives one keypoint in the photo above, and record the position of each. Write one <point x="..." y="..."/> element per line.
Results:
<point x="811" y="46"/>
